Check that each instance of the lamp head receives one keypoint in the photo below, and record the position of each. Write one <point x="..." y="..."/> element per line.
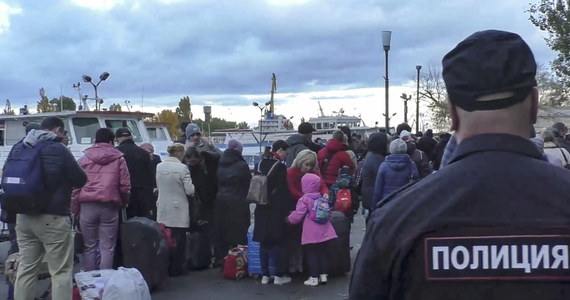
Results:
<point x="268" y="102"/>
<point x="386" y="37"/>
<point x="418" y="67"/>
<point x="104" y="76"/>
<point x="86" y="78"/>
<point x="255" y="104"/>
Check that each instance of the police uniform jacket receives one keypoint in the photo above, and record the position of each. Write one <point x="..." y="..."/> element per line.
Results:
<point x="494" y="224"/>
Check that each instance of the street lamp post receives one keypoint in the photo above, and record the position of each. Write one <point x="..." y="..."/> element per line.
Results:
<point x="418" y="68"/>
<point x="102" y="77"/>
<point x="261" y="122"/>
<point x="406" y="98"/>
<point x="386" y="36"/>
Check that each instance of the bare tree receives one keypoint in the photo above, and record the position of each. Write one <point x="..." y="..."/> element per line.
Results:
<point x="552" y="90"/>
<point x="432" y="90"/>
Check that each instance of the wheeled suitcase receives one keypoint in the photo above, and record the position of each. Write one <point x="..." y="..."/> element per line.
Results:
<point x="144" y="248"/>
<point x="339" y="249"/>
<point x="198" y="251"/>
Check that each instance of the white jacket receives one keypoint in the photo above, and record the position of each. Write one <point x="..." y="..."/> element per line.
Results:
<point x="174" y="184"/>
<point x="553" y="150"/>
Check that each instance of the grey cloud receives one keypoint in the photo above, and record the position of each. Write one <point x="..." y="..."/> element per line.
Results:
<point x="220" y="51"/>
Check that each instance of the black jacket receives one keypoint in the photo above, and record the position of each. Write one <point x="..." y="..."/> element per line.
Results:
<point x="232" y="211"/>
<point x="427" y="144"/>
<point x="205" y="180"/>
<point x="270" y="226"/>
<point x="139" y="165"/>
<point x="479" y="217"/>
<point x="62" y="173"/>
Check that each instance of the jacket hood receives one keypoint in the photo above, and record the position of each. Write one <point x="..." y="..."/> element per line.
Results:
<point x="335" y="146"/>
<point x="310" y="183"/>
<point x="103" y="153"/>
<point x="296" y="139"/>
<point x="230" y="157"/>
<point x="35" y="136"/>
<point x="378" y="143"/>
<point x="398" y="162"/>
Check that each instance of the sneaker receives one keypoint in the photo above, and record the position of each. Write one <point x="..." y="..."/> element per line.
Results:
<point x="265" y="279"/>
<point x="280" y="280"/>
<point x="323" y="278"/>
<point x="312" y="281"/>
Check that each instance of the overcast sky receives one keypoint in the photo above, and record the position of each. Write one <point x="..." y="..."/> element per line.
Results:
<point x="222" y="53"/>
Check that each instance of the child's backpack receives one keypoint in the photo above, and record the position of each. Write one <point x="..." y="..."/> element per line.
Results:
<point x="23" y="181"/>
<point x="257" y="192"/>
<point x="343" y="201"/>
<point x="320" y="212"/>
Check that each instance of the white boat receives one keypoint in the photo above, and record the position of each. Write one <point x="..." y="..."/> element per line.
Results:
<point x="81" y="127"/>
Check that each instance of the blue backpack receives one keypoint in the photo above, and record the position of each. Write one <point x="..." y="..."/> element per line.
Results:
<point x="23" y="182"/>
<point x="320" y="211"/>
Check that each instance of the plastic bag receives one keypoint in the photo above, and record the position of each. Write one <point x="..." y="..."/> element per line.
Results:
<point x="91" y="283"/>
<point x="126" y="283"/>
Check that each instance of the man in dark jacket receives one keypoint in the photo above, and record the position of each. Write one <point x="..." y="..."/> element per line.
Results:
<point x="427" y="144"/>
<point x="301" y="141"/>
<point x="476" y="229"/>
<point x="439" y="149"/>
<point x="49" y="234"/>
<point x="377" y="151"/>
<point x="560" y="130"/>
<point x="140" y="169"/>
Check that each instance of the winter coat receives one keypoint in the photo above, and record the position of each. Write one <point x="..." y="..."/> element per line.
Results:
<point x="174" y="185"/>
<point x="335" y="151"/>
<point x="377" y="151"/>
<point x="370" y="168"/>
<point x="232" y="211"/>
<point x="551" y="149"/>
<point x="438" y="153"/>
<point x="60" y="169"/>
<point x="155" y="160"/>
<point x="205" y="179"/>
<point x="297" y="143"/>
<point x="108" y="178"/>
<point x="294" y="176"/>
<point x="202" y="145"/>
<point x="427" y="144"/>
<point x="270" y="225"/>
<point x="420" y="159"/>
<point x="313" y="232"/>
<point x="139" y="164"/>
<point x="395" y="172"/>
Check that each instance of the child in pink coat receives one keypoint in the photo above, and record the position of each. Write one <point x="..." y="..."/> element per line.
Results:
<point x="314" y="234"/>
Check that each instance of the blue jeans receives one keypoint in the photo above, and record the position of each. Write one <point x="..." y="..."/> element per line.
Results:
<point x="279" y="252"/>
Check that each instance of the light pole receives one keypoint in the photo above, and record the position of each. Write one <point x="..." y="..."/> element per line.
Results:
<point x="261" y="122"/>
<point x="102" y="77"/>
<point x="386" y="36"/>
<point x="406" y="98"/>
<point x="418" y="68"/>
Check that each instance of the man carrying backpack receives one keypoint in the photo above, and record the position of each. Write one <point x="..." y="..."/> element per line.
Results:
<point x="43" y="223"/>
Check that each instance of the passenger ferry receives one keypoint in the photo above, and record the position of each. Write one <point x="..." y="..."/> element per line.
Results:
<point x="81" y="127"/>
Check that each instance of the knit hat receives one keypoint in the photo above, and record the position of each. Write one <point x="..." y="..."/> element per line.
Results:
<point x="235" y="145"/>
<point x="192" y="129"/>
<point x="398" y="146"/>
<point x="147" y="146"/>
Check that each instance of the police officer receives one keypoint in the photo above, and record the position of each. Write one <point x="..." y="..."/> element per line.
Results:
<point x="493" y="224"/>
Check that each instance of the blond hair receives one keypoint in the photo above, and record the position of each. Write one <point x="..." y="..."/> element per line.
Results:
<point x="175" y="150"/>
<point x="304" y="156"/>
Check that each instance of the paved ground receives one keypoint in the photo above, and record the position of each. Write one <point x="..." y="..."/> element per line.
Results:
<point x="209" y="284"/>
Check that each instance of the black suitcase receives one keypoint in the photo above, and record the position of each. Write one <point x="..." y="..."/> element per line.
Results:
<point x="198" y="251"/>
<point x="339" y="249"/>
<point x="145" y="249"/>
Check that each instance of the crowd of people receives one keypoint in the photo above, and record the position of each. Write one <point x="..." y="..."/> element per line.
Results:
<point x="436" y="204"/>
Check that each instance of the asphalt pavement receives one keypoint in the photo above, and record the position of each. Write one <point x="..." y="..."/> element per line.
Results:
<point x="210" y="285"/>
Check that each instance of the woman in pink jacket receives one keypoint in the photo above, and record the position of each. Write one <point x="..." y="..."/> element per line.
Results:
<point x="98" y="202"/>
<point x="314" y="234"/>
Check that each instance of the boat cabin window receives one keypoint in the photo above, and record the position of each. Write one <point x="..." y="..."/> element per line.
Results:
<point x="156" y="134"/>
<point x="326" y="126"/>
<point x="131" y="124"/>
<point x="85" y="129"/>
<point x="319" y="126"/>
